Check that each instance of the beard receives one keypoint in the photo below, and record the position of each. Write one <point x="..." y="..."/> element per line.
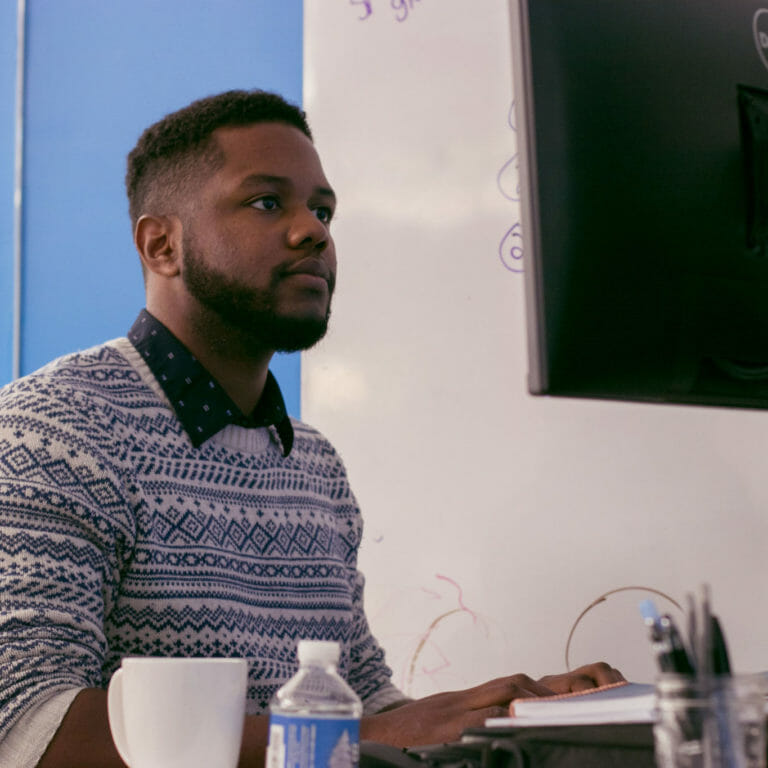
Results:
<point x="250" y="312"/>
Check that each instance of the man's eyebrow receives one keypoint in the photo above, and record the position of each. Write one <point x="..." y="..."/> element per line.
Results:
<point x="268" y="178"/>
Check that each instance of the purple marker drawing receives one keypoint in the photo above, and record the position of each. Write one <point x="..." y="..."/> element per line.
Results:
<point x="508" y="182"/>
<point x="508" y="179"/>
<point x="367" y="8"/>
<point x="512" y="117"/>
<point x="402" y="7"/>
<point x="511" y="249"/>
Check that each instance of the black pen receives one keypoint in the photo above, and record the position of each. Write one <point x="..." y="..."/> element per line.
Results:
<point x="721" y="664"/>
<point x="659" y="642"/>
<point x="667" y="643"/>
<point x="728" y="725"/>
<point x="681" y="662"/>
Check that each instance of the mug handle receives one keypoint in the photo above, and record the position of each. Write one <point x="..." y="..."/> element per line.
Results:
<point x="115" y="713"/>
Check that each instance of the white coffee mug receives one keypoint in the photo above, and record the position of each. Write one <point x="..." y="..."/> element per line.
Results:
<point x="178" y="713"/>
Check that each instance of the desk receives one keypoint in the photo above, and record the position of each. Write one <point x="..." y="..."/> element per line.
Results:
<point x="626" y="745"/>
<point x="593" y="746"/>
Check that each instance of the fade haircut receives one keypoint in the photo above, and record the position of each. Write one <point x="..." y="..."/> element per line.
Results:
<point x="177" y="150"/>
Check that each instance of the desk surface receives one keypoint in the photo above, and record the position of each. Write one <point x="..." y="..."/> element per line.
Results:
<point x="593" y="746"/>
<point x="626" y="745"/>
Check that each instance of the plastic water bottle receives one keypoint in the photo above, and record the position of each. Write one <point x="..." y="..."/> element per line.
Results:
<point x="314" y="719"/>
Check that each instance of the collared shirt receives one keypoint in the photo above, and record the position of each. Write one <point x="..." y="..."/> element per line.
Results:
<point x="201" y="404"/>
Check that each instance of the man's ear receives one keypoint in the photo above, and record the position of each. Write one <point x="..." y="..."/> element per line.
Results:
<point x="158" y="240"/>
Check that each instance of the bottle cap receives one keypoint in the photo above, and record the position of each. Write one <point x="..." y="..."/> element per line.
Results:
<point x="323" y="652"/>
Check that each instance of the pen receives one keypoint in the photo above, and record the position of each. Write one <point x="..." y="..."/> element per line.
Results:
<point x="658" y="642"/>
<point x="666" y="641"/>
<point x="721" y="664"/>
<point x="705" y="650"/>
<point x="681" y="662"/>
<point x="728" y="726"/>
<point x="693" y="632"/>
<point x="715" y="663"/>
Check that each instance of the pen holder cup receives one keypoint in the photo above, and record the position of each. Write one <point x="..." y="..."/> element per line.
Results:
<point x="710" y="722"/>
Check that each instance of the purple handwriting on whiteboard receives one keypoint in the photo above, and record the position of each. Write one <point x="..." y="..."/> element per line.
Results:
<point x="512" y="117"/>
<point x="511" y="249"/>
<point x="401" y="8"/>
<point x="508" y="179"/>
<point x="366" y="10"/>
<point x="508" y="182"/>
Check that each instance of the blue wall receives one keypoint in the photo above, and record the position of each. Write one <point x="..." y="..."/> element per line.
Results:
<point x="7" y="91"/>
<point x="96" y="75"/>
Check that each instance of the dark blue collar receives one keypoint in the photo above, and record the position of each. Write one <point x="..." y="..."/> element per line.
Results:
<point x="200" y="403"/>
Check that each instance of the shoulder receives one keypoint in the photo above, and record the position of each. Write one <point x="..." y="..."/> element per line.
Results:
<point x="60" y="445"/>
<point x="77" y="385"/>
<point x="314" y="450"/>
<point x="308" y="439"/>
<point x="76" y="370"/>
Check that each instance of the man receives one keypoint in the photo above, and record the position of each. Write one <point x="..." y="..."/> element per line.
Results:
<point x="155" y="499"/>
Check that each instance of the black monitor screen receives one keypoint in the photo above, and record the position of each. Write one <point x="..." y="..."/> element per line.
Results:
<point x="643" y="147"/>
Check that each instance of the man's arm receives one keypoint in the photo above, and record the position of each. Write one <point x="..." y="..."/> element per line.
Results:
<point x="84" y="739"/>
<point x="66" y="532"/>
<point x="443" y="716"/>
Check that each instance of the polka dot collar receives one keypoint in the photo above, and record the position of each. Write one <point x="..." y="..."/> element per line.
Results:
<point x="200" y="403"/>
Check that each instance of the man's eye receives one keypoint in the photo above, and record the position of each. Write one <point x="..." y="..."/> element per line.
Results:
<point x="324" y="214"/>
<point x="265" y="203"/>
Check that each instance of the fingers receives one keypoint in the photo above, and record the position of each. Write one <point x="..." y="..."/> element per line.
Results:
<point x="581" y="683"/>
<point x="583" y="678"/>
<point x="525" y="687"/>
<point x="494" y="693"/>
<point x="476" y="718"/>
<point x="502" y="690"/>
<point x="443" y="716"/>
<point x="600" y="673"/>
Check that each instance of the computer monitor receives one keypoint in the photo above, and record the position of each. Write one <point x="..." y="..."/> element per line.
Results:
<point x="642" y="130"/>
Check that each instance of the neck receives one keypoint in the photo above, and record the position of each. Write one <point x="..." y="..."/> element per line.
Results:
<point x="241" y="378"/>
<point x="240" y="369"/>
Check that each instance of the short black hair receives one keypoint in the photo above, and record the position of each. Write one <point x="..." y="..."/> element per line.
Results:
<point x="175" y="150"/>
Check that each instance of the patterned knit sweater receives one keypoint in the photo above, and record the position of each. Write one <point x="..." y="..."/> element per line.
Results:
<point x="118" y="537"/>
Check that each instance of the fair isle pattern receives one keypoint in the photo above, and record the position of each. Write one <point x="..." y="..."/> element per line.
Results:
<point x="118" y="537"/>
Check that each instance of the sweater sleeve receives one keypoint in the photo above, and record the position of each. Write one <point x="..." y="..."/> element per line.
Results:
<point x="369" y="674"/>
<point x="27" y="740"/>
<point x="367" y="671"/>
<point x="63" y="529"/>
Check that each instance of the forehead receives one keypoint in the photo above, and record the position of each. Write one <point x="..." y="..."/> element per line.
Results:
<point x="268" y="148"/>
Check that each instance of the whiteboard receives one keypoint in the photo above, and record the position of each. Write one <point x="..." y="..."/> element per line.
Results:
<point x="493" y="518"/>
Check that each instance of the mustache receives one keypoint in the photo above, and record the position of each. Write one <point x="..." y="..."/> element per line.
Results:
<point x="311" y="265"/>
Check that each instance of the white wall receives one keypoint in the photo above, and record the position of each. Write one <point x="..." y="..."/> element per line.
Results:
<point x="493" y="518"/>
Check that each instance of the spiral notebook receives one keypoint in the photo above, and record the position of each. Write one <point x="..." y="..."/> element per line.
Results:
<point x="615" y="703"/>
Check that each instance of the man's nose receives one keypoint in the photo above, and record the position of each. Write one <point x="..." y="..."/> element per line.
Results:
<point x="307" y="229"/>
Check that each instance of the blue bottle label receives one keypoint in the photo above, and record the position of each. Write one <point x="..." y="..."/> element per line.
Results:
<point x="313" y="742"/>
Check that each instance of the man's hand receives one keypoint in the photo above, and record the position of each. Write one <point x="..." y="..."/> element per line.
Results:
<point x="583" y="678"/>
<point x="443" y="717"/>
